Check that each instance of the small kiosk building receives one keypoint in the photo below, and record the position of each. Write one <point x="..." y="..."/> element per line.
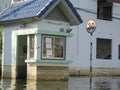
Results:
<point x="36" y="39"/>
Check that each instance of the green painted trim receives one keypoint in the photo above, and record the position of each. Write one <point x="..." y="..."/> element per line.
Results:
<point x="27" y="32"/>
<point x="55" y="33"/>
<point x="48" y="61"/>
<point x="17" y="45"/>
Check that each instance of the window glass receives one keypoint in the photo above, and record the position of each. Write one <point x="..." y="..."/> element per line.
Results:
<point x="53" y="47"/>
<point x="103" y="48"/>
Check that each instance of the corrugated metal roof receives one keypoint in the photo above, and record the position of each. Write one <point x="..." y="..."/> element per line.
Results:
<point x="32" y="8"/>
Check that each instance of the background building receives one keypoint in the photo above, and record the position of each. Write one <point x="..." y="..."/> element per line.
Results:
<point x="106" y="43"/>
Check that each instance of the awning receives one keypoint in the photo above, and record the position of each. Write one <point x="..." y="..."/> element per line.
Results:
<point x="116" y="1"/>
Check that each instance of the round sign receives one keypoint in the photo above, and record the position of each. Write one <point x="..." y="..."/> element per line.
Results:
<point x="91" y="26"/>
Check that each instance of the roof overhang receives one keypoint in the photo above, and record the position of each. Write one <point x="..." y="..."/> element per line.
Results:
<point x="65" y="5"/>
<point x="23" y="21"/>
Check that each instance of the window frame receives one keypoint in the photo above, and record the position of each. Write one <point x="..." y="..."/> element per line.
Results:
<point x="101" y="50"/>
<point x="119" y="52"/>
<point x="42" y="46"/>
<point x="104" y="5"/>
<point x="31" y="46"/>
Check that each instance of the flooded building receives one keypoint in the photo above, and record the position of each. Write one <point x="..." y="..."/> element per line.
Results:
<point x="36" y="39"/>
<point x="32" y="42"/>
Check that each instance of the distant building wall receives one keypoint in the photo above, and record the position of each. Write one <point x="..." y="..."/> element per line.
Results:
<point x="106" y="29"/>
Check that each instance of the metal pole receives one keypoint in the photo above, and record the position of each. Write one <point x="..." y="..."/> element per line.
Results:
<point x="91" y="56"/>
<point x="91" y="63"/>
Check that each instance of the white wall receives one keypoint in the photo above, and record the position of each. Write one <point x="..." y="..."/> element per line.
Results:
<point x="10" y="42"/>
<point x="7" y="53"/>
<point x="105" y="29"/>
<point x="50" y="25"/>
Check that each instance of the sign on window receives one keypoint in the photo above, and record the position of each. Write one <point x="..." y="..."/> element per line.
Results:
<point x="49" y="46"/>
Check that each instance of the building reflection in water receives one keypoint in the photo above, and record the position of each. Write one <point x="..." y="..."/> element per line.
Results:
<point x="13" y="84"/>
<point x="47" y="85"/>
<point x="6" y="84"/>
<point x="103" y="84"/>
<point x="74" y="83"/>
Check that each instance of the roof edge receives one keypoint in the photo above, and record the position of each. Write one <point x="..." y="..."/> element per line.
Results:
<point x="48" y="5"/>
<point x="74" y="11"/>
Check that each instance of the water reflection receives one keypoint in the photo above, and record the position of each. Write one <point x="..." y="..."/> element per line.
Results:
<point x="5" y="84"/>
<point x="12" y="84"/>
<point x="74" y="83"/>
<point x="79" y="83"/>
<point x="102" y="84"/>
<point x="47" y="85"/>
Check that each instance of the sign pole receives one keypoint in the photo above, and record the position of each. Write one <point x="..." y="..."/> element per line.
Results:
<point x="91" y="27"/>
<point x="91" y="62"/>
<point x="91" y="56"/>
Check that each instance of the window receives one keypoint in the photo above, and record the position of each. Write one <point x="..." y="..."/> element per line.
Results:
<point x="103" y="48"/>
<point x="53" y="47"/>
<point x="118" y="51"/>
<point x="31" y="46"/>
<point x="104" y="10"/>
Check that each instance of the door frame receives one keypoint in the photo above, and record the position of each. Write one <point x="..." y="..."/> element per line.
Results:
<point x="20" y="67"/>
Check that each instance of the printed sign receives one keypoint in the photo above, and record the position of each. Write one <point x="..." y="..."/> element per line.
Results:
<point x="49" y="46"/>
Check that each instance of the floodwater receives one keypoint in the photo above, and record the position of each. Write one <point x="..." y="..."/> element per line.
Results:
<point x="74" y="83"/>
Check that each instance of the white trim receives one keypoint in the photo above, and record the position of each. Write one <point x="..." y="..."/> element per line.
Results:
<point x="18" y="1"/>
